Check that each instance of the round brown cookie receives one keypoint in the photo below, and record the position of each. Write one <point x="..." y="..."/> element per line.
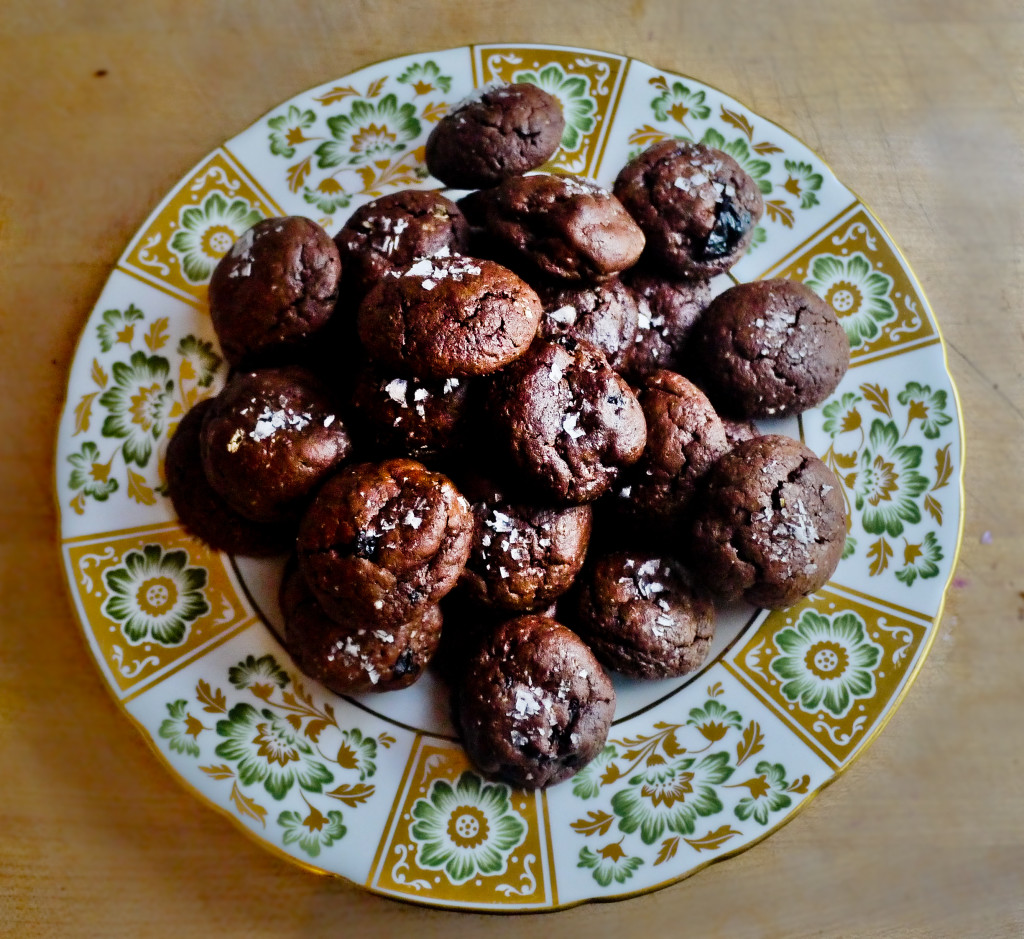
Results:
<point x="274" y="289"/>
<point x="393" y="231"/>
<point x="771" y="523"/>
<point x="383" y="540"/>
<point x="449" y="317"/>
<point x="201" y="510"/>
<point x="605" y="315"/>
<point x="410" y="417"/>
<point x="684" y="438"/>
<point x="534" y="705"/>
<point x="565" y="227"/>
<point x="524" y="556"/>
<point x="572" y="423"/>
<point x="738" y="431"/>
<point x="641" y="615"/>
<point x="770" y="347"/>
<point x="495" y="133"/>
<point x="354" y="659"/>
<point x="268" y="440"/>
<point x="667" y="310"/>
<point x="696" y="206"/>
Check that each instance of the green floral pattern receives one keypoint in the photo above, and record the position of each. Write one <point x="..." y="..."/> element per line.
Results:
<point x="739" y="149"/>
<point x="370" y="130"/>
<point x="888" y="483"/>
<point x="826" y="662"/>
<point x="262" y="671"/>
<point x="89" y="476"/>
<point x="860" y="295"/>
<point x="609" y="863"/>
<point x="137" y="404"/>
<point x="206" y="232"/>
<point x="313" y="832"/>
<point x="425" y="77"/>
<point x="573" y="93"/>
<point x="357" y="752"/>
<point x="677" y="102"/>
<point x="154" y="595"/>
<point x="287" y="130"/>
<point x="466" y="829"/>
<point x="768" y="793"/>
<point x="181" y="729"/>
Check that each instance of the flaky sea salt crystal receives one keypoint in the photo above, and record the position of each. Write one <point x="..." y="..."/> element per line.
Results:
<point x="564" y="315"/>
<point x="569" y="426"/>
<point x="396" y="390"/>
<point x="412" y="519"/>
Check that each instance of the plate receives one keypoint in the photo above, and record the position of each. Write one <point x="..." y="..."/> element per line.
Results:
<point x="376" y="789"/>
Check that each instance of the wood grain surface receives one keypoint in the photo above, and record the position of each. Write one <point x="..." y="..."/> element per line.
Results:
<point x="916" y="105"/>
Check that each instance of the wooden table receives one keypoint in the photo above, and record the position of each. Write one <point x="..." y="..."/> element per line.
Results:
<point x="916" y="105"/>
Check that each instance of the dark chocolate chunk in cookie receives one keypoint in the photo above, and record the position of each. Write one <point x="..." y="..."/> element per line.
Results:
<point x="449" y="317"/>
<point x="642" y="616"/>
<point x="696" y="206"/>
<point x="495" y="133"/>
<point x="274" y="289"/>
<point x="269" y="439"/>
<point x="572" y="423"/>
<point x="534" y="705"/>
<point x="383" y="540"/>
<point x="770" y="347"/>
<point x="771" y="523"/>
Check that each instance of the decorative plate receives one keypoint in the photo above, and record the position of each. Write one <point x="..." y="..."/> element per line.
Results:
<point x="376" y="789"/>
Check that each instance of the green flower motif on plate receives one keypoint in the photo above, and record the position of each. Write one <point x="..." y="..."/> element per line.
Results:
<point x="206" y="232"/>
<point x="287" y="130"/>
<point x="740" y="151"/>
<point x="328" y="195"/>
<point x="257" y="671"/>
<point x="858" y="293"/>
<point x="927" y="406"/>
<point x="671" y="795"/>
<point x="759" y="238"/>
<point x="849" y="547"/>
<point x="424" y="77"/>
<point x="888" y="482"/>
<point x="609" y="863"/>
<point x="269" y="750"/>
<point x="137" y="404"/>
<point x="841" y="415"/>
<point x="678" y="102"/>
<point x="89" y="475"/>
<point x="767" y="793"/>
<point x="586" y="784"/>
<point x="181" y="729"/>
<point x="920" y="560"/>
<point x="573" y="92"/>
<point x="802" y="182"/>
<point x="313" y="832"/>
<point x="370" y="131"/>
<point x="202" y="360"/>
<point x="826" y="662"/>
<point x="357" y="752"/>
<point x="466" y="829"/>
<point x="714" y="720"/>
<point x="155" y="596"/>
<point x="118" y="326"/>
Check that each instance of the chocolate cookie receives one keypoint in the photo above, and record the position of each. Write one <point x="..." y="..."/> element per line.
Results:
<point x="409" y="416"/>
<point x="524" y="555"/>
<point x="738" y="431"/>
<point x="495" y="133"/>
<point x="534" y="706"/>
<point x="201" y="510"/>
<point x="667" y="310"/>
<point x="684" y="439"/>
<point x="565" y="227"/>
<point x="641" y="616"/>
<point x="696" y="206"/>
<point x="605" y="315"/>
<point x="771" y="524"/>
<point x="449" y="317"/>
<point x="268" y="440"/>
<point x="572" y="423"/>
<point x="351" y="660"/>
<point x="274" y="289"/>
<point x="770" y="347"/>
<point x="383" y="540"/>
<point x="391" y="232"/>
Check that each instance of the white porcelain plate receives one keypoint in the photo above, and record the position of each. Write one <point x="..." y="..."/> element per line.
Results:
<point x="375" y="789"/>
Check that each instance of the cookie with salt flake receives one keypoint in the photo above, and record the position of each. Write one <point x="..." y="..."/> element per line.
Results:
<point x="534" y="705"/>
<point x="770" y="523"/>
<point x="269" y="439"/>
<point x="351" y="659"/>
<point x="448" y="316"/>
<point x="642" y="616"/>
<point x="382" y="541"/>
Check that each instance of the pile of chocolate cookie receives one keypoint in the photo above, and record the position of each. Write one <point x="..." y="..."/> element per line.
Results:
<point x="465" y="417"/>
